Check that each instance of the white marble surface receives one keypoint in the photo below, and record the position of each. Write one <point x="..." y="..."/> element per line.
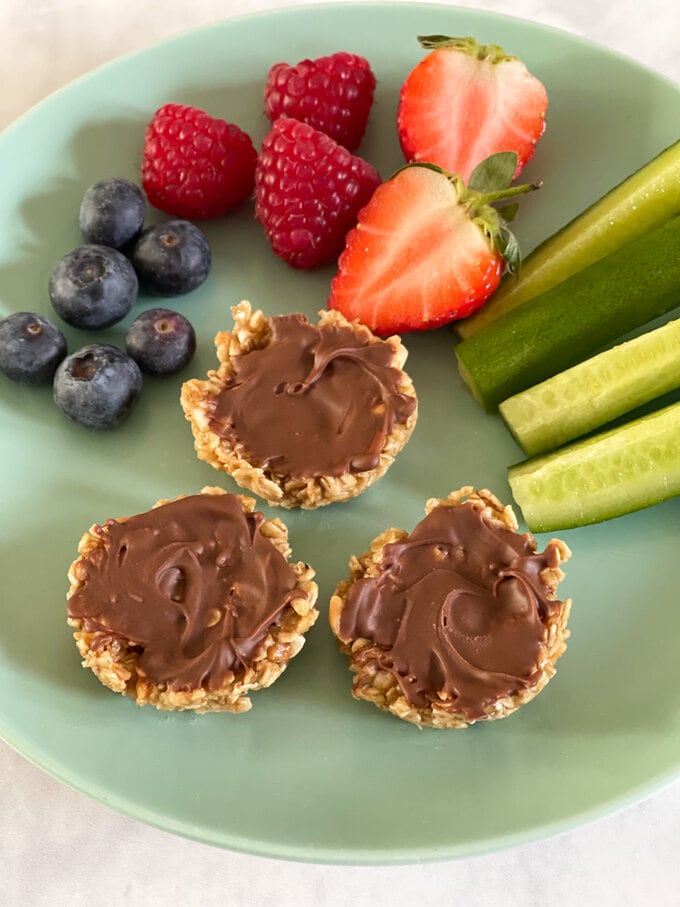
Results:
<point x="59" y="847"/>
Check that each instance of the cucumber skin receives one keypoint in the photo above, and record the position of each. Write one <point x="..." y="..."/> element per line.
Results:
<point x="575" y="319"/>
<point x="641" y="380"/>
<point x="656" y="479"/>
<point x="644" y="200"/>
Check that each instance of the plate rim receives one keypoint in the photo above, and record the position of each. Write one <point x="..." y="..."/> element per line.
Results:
<point x="129" y="56"/>
<point x="391" y="856"/>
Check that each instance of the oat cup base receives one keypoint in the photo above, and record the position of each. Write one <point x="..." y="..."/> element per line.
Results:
<point x="382" y="688"/>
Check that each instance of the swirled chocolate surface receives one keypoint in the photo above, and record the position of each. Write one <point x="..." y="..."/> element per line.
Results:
<point x="458" y="607"/>
<point x="193" y="585"/>
<point x="312" y="402"/>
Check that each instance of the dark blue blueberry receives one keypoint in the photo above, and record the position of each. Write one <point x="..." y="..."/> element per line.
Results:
<point x="31" y="348"/>
<point x="171" y="259"/>
<point x="93" y="287"/>
<point x="97" y="386"/>
<point x="112" y="212"/>
<point x="160" y="341"/>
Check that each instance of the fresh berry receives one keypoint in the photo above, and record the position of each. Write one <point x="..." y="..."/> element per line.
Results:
<point x="308" y="192"/>
<point x="97" y="386"/>
<point x="93" y="287"/>
<point x="112" y="212"/>
<point x="160" y="341"/>
<point x="172" y="258"/>
<point x="427" y="249"/>
<point x="465" y="101"/>
<point x="195" y="165"/>
<point x="333" y="94"/>
<point x="31" y="348"/>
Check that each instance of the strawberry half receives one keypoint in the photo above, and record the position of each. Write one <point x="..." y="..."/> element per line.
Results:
<point x="428" y="249"/>
<point x="465" y="101"/>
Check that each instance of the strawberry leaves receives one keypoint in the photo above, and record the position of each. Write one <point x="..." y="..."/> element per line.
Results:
<point x="507" y="245"/>
<point x="467" y="45"/>
<point x="492" y="181"/>
<point x="494" y="173"/>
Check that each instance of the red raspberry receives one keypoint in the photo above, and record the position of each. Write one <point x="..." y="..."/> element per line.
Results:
<point x="308" y="192"/>
<point x="333" y="94"/>
<point x="195" y="165"/>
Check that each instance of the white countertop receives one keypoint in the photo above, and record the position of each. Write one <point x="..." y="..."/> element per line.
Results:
<point x="59" y="847"/>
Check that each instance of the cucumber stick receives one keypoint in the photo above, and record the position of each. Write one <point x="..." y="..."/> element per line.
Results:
<point x="575" y="319"/>
<point x="643" y="201"/>
<point x="601" y="477"/>
<point x="596" y="391"/>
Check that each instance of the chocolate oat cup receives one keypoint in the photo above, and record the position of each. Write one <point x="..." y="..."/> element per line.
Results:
<point x="456" y="622"/>
<point x="302" y="414"/>
<point x="191" y="605"/>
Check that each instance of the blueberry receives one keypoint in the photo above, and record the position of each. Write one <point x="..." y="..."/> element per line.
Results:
<point x="31" y="348"/>
<point x="160" y="341"/>
<point x="112" y="212"/>
<point x="97" y="386"/>
<point x="171" y="259"/>
<point x="93" y="287"/>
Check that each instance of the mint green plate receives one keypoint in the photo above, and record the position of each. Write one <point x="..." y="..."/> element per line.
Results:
<point x="309" y="773"/>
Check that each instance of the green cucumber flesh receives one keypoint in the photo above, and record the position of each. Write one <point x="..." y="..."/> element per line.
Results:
<point x="643" y="201"/>
<point x="596" y="391"/>
<point x="608" y="475"/>
<point x="577" y="318"/>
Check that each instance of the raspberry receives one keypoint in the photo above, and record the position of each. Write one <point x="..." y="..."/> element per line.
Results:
<point x="308" y="192"/>
<point x="333" y="94"/>
<point x="194" y="165"/>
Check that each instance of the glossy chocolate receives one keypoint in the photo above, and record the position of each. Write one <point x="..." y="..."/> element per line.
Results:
<point x="458" y="608"/>
<point x="312" y="402"/>
<point x="193" y="585"/>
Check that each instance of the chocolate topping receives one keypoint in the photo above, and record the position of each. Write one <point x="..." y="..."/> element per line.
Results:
<point x="193" y="585"/>
<point x="315" y="401"/>
<point x="458" y="608"/>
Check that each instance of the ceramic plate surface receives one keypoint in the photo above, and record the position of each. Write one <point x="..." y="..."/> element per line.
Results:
<point x="309" y="773"/>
